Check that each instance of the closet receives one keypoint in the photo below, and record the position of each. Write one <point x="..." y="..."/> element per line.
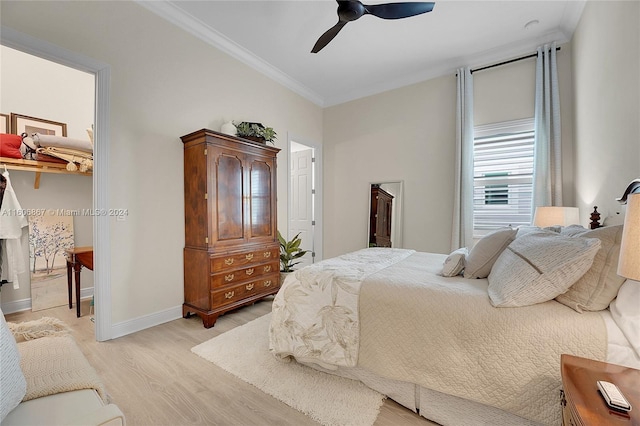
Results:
<point x="54" y="94"/>
<point x="231" y="253"/>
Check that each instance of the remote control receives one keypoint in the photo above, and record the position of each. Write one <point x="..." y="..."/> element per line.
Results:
<point x="613" y="396"/>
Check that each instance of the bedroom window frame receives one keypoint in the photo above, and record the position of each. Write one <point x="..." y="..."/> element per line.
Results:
<point x="503" y="175"/>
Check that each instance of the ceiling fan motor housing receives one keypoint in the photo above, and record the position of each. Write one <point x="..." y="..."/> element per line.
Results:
<point x="350" y="10"/>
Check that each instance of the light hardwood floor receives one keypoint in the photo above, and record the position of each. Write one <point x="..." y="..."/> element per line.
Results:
<point x="155" y="379"/>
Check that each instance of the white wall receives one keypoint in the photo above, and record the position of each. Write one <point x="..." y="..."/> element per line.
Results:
<point x="165" y="83"/>
<point x="405" y="134"/>
<point x="606" y="57"/>
<point x="37" y="88"/>
<point x="409" y="134"/>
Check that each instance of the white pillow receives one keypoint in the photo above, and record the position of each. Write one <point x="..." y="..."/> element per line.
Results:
<point x="538" y="267"/>
<point x="600" y="284"/>
<point x="625" y="311"/>
<point x="13" y="385"/>
<point x="454" y="263"/>
<point x="486" y="251"/>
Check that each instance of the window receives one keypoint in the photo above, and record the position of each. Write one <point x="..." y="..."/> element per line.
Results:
<point x="503" y="175"/>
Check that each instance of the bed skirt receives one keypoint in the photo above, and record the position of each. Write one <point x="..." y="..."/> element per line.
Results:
<point x="430" y="404"/>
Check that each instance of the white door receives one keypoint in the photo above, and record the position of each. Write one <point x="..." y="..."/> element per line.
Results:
<point x="301" y="217"/>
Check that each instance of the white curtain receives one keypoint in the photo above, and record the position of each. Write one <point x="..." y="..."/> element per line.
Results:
<point x="547" y="174"/>
<point x="462" y="235"/>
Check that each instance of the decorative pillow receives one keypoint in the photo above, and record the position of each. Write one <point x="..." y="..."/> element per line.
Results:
<point x="13" y="385"/>
<point x="600" y="284"/>
<point x="573" y="230"/>
<point x="54" y="364"/>
<point x="625" y="311"/>
<point x="10" y="145"/>
<point x="484" y="254"/>
<point x="527" y="229"/>
<point x="454" y="264"/>
<point x="538" y="267"/>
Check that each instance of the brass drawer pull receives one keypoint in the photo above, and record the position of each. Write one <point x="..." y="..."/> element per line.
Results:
<point x="267" y="268"/>
<point x="267" y="283"/>
<point x="266" y="254"/>
<point x="249" y="256"/>
<point x="228" y="261"/>
<point x="228" y="278"/>
<point x="249" y="287"/>
<point x="229" y="294"/>
<point x="249" y="271"/>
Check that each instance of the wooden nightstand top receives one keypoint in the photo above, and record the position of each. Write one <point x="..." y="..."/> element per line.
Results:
<point x="579" y="376"/>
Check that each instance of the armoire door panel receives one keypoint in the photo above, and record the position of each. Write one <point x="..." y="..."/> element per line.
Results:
<point x="260" y="197"/>
<point x="229" y="197"/>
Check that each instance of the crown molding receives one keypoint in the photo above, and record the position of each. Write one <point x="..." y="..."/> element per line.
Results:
<point x="172" y="13"/>
<point x="487" y="57"/>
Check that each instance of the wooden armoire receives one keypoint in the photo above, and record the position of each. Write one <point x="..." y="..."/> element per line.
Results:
<point x="231" y="253"/>
<point x="380" y="217"/>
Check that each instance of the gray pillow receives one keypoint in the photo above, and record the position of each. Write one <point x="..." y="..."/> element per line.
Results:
<point x="454" y="263"/>
<point x="600" y="284"/>
<point x="538" y="267"/>
<point x="484" y="254"/>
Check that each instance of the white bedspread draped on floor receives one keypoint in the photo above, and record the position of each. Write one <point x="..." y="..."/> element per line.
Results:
<point x="441" y="333"/>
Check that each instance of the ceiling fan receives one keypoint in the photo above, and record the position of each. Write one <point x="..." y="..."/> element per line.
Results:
<point x="351" y="10"/>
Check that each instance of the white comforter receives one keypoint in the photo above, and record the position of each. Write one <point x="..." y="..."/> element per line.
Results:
<point x="388" y="310"/>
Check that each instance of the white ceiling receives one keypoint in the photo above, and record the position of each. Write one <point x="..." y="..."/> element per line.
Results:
<point x="369" y="55"/>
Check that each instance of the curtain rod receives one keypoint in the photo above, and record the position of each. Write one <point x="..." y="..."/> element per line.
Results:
<point x="533" y="55"/>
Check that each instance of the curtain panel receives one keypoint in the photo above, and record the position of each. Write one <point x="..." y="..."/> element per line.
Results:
<point x="462" y="232"/>
<point x="547" y="174"/>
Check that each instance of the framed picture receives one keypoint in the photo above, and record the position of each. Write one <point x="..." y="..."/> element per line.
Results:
<point x="23" y="124"/>
<point x="5" y="124"/>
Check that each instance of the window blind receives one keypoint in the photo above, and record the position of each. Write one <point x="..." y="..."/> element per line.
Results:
<point x="503" y="175"/>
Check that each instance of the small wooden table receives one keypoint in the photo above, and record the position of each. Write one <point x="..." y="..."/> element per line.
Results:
<point x="77" y="257"/>
<point x="583" y="404"/>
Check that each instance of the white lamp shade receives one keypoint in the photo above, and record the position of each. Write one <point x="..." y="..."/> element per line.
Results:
<point x="629" y="263"/>
<point x="554" y="216"/>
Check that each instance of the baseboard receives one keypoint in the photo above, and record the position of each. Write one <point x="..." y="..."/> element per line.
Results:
<point x="16" y="306"/>
<point x="117" y="330"/>
<point x="25" y="304"/>
<point x="137" y="324"/>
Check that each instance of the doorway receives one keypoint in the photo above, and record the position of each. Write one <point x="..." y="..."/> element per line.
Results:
<point x="305" y="198"/>
<point x="101" y="240"/>
<point x="51" y="99"/>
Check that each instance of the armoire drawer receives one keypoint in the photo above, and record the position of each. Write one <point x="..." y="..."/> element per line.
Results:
<point x="226" y="278"/>
<point x="242" y="291"/>
<point x="234" y="261"/>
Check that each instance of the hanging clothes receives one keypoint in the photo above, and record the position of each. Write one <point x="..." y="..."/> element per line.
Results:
<point x="3" y="185"/>
<point x="12" y="220"/>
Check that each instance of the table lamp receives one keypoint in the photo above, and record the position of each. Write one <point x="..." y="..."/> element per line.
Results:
<point x="629" y="262"/>
<point x="554" y="216"/>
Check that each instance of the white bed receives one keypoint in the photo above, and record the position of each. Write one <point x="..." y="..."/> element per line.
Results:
<point x="436" y="344"/>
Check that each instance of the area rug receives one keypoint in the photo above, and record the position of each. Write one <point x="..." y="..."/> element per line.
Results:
<point x="328" y="399"/>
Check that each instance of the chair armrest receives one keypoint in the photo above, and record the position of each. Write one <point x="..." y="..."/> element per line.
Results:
<point x="106" y="415"/>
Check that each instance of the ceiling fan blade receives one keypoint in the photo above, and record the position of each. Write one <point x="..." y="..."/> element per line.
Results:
<point x="399" y="10"/>
<point x="327" y="36"/>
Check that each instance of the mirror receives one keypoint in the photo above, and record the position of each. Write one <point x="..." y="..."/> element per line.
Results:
<point x="385" y="214"/>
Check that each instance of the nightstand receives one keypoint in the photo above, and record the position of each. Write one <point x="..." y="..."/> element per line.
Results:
<point x="582" y="404"/>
